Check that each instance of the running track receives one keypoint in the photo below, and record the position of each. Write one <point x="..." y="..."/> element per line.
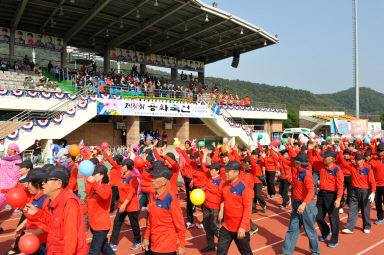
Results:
<point x="269" y="240"/>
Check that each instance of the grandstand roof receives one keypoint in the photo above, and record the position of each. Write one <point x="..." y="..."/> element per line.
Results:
<point x="330" y="117"/>
<point x="186" y="29"/>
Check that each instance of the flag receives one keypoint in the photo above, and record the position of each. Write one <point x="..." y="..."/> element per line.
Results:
<point x="84" y="151"/>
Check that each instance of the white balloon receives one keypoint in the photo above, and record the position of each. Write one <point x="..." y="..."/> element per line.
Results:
<point x="225" y="140"/>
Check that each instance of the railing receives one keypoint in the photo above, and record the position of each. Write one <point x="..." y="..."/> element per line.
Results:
<point x="225" y="113"/>
<point x="321" y="108"/>
<point x="29" y="115"/>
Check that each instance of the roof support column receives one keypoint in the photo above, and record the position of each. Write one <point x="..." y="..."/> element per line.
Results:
<point x="143" y="68"/>
<point x="107" y="60"/>
<point x="63" y="56"/>
<point x="173" y="74"/>
<point x="200" y="77"/>
<point x="12" y="45"/>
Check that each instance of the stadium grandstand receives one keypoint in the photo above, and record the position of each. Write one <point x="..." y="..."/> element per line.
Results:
<point x="78" y="58"/>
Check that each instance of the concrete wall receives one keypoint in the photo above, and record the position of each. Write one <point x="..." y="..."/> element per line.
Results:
<point x="95" y="133"/>
<point x="257" y="115"/>
<point x="198" y="131"/>
<point x="307" y="124"/>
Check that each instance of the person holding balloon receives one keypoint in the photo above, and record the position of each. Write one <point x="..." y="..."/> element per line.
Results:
<point x="128" y="206"/>
<point x="66" y="235"/>
<point x="34" y="183"/>
<point x="99" y="194"/>
<point x="236" y="209"/>
<point x="165" y="233"/>
<point x="73" y="171"/>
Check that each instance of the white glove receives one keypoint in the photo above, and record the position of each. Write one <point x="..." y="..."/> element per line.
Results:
<point x="371" y="197"/>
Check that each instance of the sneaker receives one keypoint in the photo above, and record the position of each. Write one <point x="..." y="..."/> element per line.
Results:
<point x="333" y="245"/>
<point x="324" y="238"/>
<point x="273" y="196"/>
<point x="135" y="246"/>
<point x="200" y="226"/>
<point x="252" y="232"/>
<point x="341" y="210"/>
<point x="289" y="203"/>
<point x="143" y="208"/>
<point x="379" y="222"/>
<point x="347" y="231"/>
<point x="127" y="222"/>
<point x="283" y="207"/>
<point x="367" y="231"/>
<point x="264" y="208"/>
<point x="189" y="225"/>
<point x="113" y="247"/>
<point x="207" y="249"/>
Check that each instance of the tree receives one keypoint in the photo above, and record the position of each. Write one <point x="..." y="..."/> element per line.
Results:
<point x="293" y="118"/>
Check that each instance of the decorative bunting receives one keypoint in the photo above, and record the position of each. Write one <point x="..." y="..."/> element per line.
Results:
<point x="71" y="112"/>
<point x="17" y="93"/>
<point x="32" y="93"/>
<point x="46" y="95"/>
<point x="117" y="97"/>
<point x="83" y="104"/>
<point x="93" y="98"/>
<point x="60" y="95"/>
<point x="14" y="135"/>
<point x="105" y="96"/>
<point x="58" y="119"/>
<point x="42" y="123"/>
<point x="83" y="97"/>
<point x="28" y="126"/>
<point x="3" y="92"/>
<point x="71" y="97"/>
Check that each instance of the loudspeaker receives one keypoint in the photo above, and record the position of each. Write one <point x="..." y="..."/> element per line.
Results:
<point x="236" y="58"/>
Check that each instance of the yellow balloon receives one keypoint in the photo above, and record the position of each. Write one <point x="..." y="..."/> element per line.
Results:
<point x="177" y="143"/>
<point x="197" y="196"/>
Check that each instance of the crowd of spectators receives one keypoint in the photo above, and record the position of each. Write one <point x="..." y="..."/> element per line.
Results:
<point x="138" y="83"/>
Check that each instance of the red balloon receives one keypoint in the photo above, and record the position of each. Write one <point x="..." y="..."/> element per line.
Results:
<point x="104" y="145"/>
<point x="138" y="162"/>
<point x="29" y="244"/>
<point x="17" y="198"/>
<point x="275" y="142"/>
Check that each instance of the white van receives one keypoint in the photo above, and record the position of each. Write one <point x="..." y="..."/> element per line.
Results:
<point x="295" y="132"/>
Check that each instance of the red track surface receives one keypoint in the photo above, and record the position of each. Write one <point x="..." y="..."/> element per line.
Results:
<point x="269" y="240"/>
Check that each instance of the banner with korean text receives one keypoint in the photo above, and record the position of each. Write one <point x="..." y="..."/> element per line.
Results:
<point x="157" y="109"/>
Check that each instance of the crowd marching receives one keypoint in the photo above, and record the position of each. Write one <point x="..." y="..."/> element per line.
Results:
<point x="316" y="178"/>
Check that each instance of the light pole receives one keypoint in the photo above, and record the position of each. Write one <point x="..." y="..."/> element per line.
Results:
<point x="356" y="60"/>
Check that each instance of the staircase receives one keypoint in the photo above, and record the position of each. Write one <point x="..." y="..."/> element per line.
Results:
<point x="223" y="128"/>
<point x="26" y="138"/>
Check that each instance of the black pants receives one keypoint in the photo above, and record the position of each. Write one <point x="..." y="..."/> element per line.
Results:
<point x="119" y="219"/>
<point x="283" y="191"/>
<point x="379" y="200"/>
<point x="359" y="200"/>
<point x="187" y="182"/>
<point x="348" y="187"/>
<point x="225" y="240"/>
<point x="115" y="197"/>
<point x="16" y="247"/>
<point x="211" y="224"/>
<point x="257" y="189"/>
<point x="100" y="243"/>
<point x="326" y="205"/>
<point x="270" y="178"/>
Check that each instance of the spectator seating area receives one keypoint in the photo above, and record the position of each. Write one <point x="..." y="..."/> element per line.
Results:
<point x="330" y="117"/>
<point x="18" y="80"/>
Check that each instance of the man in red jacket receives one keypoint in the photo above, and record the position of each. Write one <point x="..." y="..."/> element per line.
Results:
<point x="304" y="210"/>
<point x="363" y="193"/>
<point x="236" y="209"/>
<point x="329" y="196"/>
<point x="378" y="171"/>
<point x="73" y="171"/>
<point x="165" y="232"/>
<point x="63" y="218"/>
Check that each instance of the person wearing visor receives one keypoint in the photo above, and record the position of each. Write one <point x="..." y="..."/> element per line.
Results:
<point x="165" y="233"/>
<point x="62" y="218"/>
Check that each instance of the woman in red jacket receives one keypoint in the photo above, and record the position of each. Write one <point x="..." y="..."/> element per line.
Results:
<point x="99" y="199"/>
<point x="115" y="176"/>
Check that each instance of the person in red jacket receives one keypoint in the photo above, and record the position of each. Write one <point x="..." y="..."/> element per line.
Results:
<point x="377" y="165"/>
<point x="258" y="181"/>
<point x="270" y="170"/>
<point x="169" y="161"/>
<point x="128" y="205"/>
<point x="73" y="171"/>
<point x="115" y="176"/>
<point x="165" y="233"/>
<point x="99" y="194"/>
<point x="329" y="196"/>
<point x="62" y="218"/>
<point x="304" y="210"/>
<point x="344" y="161"/>
<point x="34" y="183"/>
<point x="236" y="208"/>
<point x="211" y="206"/>
<point x="363" y="193"/>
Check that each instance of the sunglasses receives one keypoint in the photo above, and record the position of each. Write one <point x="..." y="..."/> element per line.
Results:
<point x="45" y="180"/>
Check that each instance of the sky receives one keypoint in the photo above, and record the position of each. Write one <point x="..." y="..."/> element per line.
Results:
<point x="315" y="52"/>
